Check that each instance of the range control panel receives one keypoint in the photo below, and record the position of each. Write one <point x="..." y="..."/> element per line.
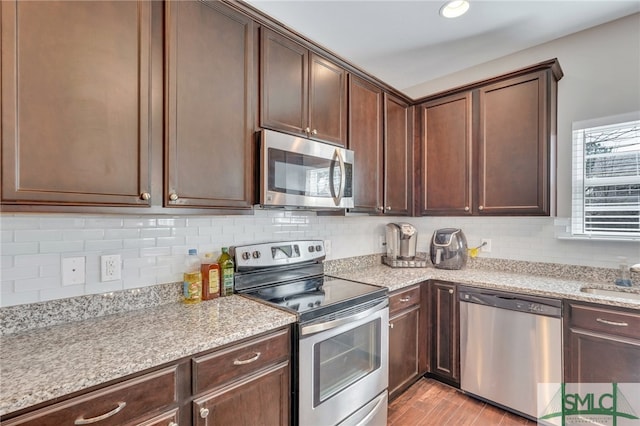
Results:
<point x="265" y="255"/>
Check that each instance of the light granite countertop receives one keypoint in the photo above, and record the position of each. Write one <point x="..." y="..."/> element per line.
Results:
<point x="47" y="363"/>
<point x="398" y="278"/>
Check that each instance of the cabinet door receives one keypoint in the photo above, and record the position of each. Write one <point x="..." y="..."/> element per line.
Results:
<point x="327" y="101"/>
<point x="284" y="79"/>
<point x="210" y="119"/>
<point x="514" y="146"/>
<point x="602" y="358"/>
<point x="258" y="400"/>
<point x="445" y="332"/>
<point x="446" y="156"/>
<point x="398" y="171"/>
<point x="365" y="140"/>
<point x="403" y="350"/>
<point x="75" y="102"/>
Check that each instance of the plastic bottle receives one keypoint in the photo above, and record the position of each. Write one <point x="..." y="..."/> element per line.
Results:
<point x="192" y="283"/>
<point x="624" y="276"/>
<point x="226" y="272"/>
<point x="210" y="277"/>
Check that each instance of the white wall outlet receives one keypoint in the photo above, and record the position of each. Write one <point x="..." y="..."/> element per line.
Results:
<point x="486" y="248"/>
<point x="110" y="267"/>
<point x="327" y="247"/>
<point x="73" y="270"/>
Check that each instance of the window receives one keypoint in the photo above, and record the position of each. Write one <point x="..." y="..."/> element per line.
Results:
<point x="606" y="178"/>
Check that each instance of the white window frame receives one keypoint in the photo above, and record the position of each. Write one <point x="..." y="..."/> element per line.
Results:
<point x="578" y="180"/>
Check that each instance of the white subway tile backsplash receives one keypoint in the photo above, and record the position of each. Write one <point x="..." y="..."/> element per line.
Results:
<point x="19" y="248"/>
<point x="37" y="235"/>
<point x="35" y="284"/>
<point x="153" y="248"/>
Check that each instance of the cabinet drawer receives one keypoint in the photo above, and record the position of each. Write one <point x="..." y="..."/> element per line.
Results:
<point x="117" y="404"/>
<point x="226" y="365"/>
<point x="606" y="320"/>
<point x="403" y="299"/>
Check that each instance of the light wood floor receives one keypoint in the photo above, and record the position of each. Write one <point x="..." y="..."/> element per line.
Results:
<point x="429" y="402"/>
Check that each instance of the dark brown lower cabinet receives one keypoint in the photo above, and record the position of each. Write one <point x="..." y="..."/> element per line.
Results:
<point x="444" y="332"/>
<point x="262" y="399"/>
<point x="601" y="344"/>
<point x="247" y="383"/>
<point x="407" y="339"/>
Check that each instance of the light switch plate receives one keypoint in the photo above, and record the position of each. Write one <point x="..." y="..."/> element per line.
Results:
<point x="73" y="270"/>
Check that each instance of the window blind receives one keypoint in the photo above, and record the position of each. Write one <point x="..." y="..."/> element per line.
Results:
<point x="606" y="180"/>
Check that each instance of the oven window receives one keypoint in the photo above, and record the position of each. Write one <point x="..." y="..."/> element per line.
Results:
<point x="344" y="359"/>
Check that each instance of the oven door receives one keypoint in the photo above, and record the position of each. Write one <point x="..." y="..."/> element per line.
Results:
<point x="304" y="173"/>
<point x="343" y="367"/>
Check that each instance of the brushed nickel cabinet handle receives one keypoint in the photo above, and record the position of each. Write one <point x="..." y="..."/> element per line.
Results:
<point x="204" y="412"/>
<point x="173" y="196"/>
<point x="307" y="130"/>
<point x="83" y="421"/>
<point x="480" y="207"/>
<point x="173" y="424"/>
<point x="390" y="325"/>
<point x="145" y="196"/>
<point x="380" y="208"/>
<point x="616" y="323"/>
<point x="466" y="209"/>
<point x="388" y="208"/>
<point x="450" y="291"/>
<point x="405" y="299"/>
<point x="314" y="131"/>
<point x="247" y="361"/>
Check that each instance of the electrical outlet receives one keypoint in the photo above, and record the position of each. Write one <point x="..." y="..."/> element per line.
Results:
<point x="381" y="242"/>
<point x="73" y="270"/>
<point x="327" y="247"/>
<point x="110" y="267"/>
<point x="486" y="248"/>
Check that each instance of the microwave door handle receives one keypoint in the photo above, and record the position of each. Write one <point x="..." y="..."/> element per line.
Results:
<point x="337" y="199"/>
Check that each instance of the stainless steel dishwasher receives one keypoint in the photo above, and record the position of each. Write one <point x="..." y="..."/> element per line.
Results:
<point x="508" y="344"/>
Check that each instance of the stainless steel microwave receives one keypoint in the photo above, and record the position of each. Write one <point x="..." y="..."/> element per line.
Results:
<point x="299" y="172"/>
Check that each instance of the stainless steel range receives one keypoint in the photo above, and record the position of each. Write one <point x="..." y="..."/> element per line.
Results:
<point x="341" y="361"/>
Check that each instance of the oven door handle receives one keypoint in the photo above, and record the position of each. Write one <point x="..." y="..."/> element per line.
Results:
<point x="328" y="325"/>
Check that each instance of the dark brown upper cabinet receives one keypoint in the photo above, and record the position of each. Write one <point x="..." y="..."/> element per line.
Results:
<point x="210" y="104"/>
<point x="76" y="103"/>
<point x="380" y="128"/>
<point x="398" y="159"/>
<point x="490" y="148"/>
<point x="446" y="161"/>
<point x="302" y="92"/>
<point x="365" y="140"/>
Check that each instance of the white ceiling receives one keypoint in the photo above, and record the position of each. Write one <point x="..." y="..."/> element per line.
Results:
<point x="406" y="43"/>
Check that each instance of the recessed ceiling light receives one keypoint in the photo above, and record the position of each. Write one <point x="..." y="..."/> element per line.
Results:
<point x="454" y="8"/>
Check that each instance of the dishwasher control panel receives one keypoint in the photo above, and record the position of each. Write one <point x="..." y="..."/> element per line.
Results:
<point x="512" y="301"/>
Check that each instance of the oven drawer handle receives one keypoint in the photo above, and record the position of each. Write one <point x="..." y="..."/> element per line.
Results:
<point x="254" y="358"/>
<point x="323" y="326"/>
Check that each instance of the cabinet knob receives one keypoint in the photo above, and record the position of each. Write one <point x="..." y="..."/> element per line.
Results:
<point x="145" y="196"/>
<point x="173" y="424"/>
<point x="390" y="325"/>
<point x="380" y="208"/>
<point x="173" y="196"/>
<point x="204" y="412"/>
<point x="388" y="208"/>
<point x="450" y="291"/>
<point x="480" y="208"/>
<point x="466" y="209"/>
<point x="307" y="130"/>
<point x="314" y="131"/>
